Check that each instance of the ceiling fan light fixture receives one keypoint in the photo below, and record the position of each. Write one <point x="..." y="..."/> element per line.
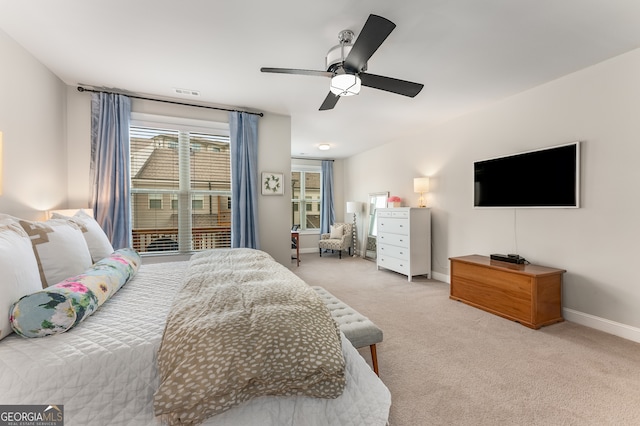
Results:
<point x="345" y="84"/>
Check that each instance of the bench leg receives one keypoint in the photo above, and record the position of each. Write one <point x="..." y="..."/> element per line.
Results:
<point x="374" y="359"/>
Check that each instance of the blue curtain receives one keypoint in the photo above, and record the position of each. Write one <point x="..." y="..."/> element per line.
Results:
<point x="244" y="179"/>
<point x="328" y="213"/>
<point x="110" y="116"/>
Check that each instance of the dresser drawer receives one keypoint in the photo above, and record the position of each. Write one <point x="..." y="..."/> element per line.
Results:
<point x="393" y="264"/>
<point x="404" y="214"/>
<point x="394" y="239"/>
<point x="384" y="214"/>
<point x="393" y="251"/>
<point x="393" y="225"/>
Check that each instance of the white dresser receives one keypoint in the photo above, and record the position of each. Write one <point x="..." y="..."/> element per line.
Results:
<point x="404" y="240"/>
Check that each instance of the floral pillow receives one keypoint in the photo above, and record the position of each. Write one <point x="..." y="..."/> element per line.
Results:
<point x="61" y="306"/>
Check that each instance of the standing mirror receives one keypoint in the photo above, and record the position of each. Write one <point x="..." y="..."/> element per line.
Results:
<point x="375" y="201"/>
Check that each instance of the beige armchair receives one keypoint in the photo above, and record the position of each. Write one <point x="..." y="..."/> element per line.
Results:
<point x="337" y="239"/>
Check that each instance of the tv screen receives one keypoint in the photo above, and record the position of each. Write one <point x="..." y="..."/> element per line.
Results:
<point x="548" y="177"/>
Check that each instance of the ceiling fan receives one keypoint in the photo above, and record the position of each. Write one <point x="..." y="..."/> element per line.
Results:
<point x="346" y="64"/>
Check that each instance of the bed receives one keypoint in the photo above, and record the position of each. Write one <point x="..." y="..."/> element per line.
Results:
<point x="104" y="370"/>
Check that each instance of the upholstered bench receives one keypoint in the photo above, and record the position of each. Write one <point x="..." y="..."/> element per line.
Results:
<point x="360" y="330"/>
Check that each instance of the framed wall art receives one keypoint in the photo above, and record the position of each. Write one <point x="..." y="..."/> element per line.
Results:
<point x="272" y="183"/>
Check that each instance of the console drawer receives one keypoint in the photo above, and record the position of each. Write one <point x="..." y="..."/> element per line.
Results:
<point x="529" y="294"/>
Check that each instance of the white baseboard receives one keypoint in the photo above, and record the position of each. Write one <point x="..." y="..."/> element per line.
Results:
<point x="307" y="250"/>
<point x="440" y="277"/>
<point x="617" y="329"/>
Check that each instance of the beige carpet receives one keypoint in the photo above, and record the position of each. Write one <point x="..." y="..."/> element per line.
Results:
<point x="447" y="363"/>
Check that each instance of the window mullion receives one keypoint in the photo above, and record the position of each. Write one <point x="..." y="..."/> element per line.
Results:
<point x="184" y="195"/>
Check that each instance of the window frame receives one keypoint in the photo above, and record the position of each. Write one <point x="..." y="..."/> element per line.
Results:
<point x="303" y="202"/>
<point x="194" y="127"/>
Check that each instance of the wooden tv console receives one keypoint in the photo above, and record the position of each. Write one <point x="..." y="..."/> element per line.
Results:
<point x="528" y="294"/>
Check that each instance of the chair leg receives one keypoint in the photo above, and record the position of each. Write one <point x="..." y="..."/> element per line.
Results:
<point x="374" y="359"/>
<point x="339" y="254"/>
<point x="320" y="252"/>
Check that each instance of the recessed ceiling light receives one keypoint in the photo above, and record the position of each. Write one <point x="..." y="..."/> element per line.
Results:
<point x="324" y="147"/>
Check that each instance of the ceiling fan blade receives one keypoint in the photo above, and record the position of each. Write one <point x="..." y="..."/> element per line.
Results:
<point x="329" y="102"/>
<point x="375" y="31"/>
<point x="393" y="85"/>
<point x="297" y="71"/>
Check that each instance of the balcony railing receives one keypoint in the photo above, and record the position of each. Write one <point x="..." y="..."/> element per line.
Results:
<point x="166" y="239"/>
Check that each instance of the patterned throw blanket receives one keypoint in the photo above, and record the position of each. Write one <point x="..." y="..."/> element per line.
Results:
<point x="244" y="326"/>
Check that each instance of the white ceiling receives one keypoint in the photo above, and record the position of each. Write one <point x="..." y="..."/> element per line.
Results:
<point x="467" y="53"/>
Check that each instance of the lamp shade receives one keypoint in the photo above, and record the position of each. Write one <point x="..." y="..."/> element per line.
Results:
<point x="421" y="184"/>
<point x="353" y="206"/>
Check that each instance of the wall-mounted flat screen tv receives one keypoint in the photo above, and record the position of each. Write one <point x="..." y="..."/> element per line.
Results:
<point x="548" y="177"/>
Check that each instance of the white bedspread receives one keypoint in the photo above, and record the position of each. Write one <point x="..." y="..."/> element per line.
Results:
<point x="104" y="370"/>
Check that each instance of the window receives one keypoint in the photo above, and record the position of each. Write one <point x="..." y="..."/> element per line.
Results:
<point x="155" y="201"/>
<point x="305" y="190"/>
<point x="189" y="167"/>
<point x="197" y="202"/>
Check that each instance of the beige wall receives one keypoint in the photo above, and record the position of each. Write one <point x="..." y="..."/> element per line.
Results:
<point x="599" y="105"/>
<point x="32" y="120"/>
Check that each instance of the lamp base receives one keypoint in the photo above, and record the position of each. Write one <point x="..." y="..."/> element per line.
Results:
<point x="354" y="235"/>
<point x="421" y="202"/>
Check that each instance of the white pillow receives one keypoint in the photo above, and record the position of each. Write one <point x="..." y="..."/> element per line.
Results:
<point x="19" y="274"/>
<point x="97" y="240"/>
<point x="60" y="249"/>
<point x="337" y="231"/>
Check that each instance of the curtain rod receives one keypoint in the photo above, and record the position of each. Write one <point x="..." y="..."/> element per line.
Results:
<point x="82" y="89"/>
<point x="311" y="158"/>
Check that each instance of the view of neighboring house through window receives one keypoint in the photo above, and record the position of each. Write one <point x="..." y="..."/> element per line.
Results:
<point x="180" y="189"/>
<point x="305" y="199"/>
